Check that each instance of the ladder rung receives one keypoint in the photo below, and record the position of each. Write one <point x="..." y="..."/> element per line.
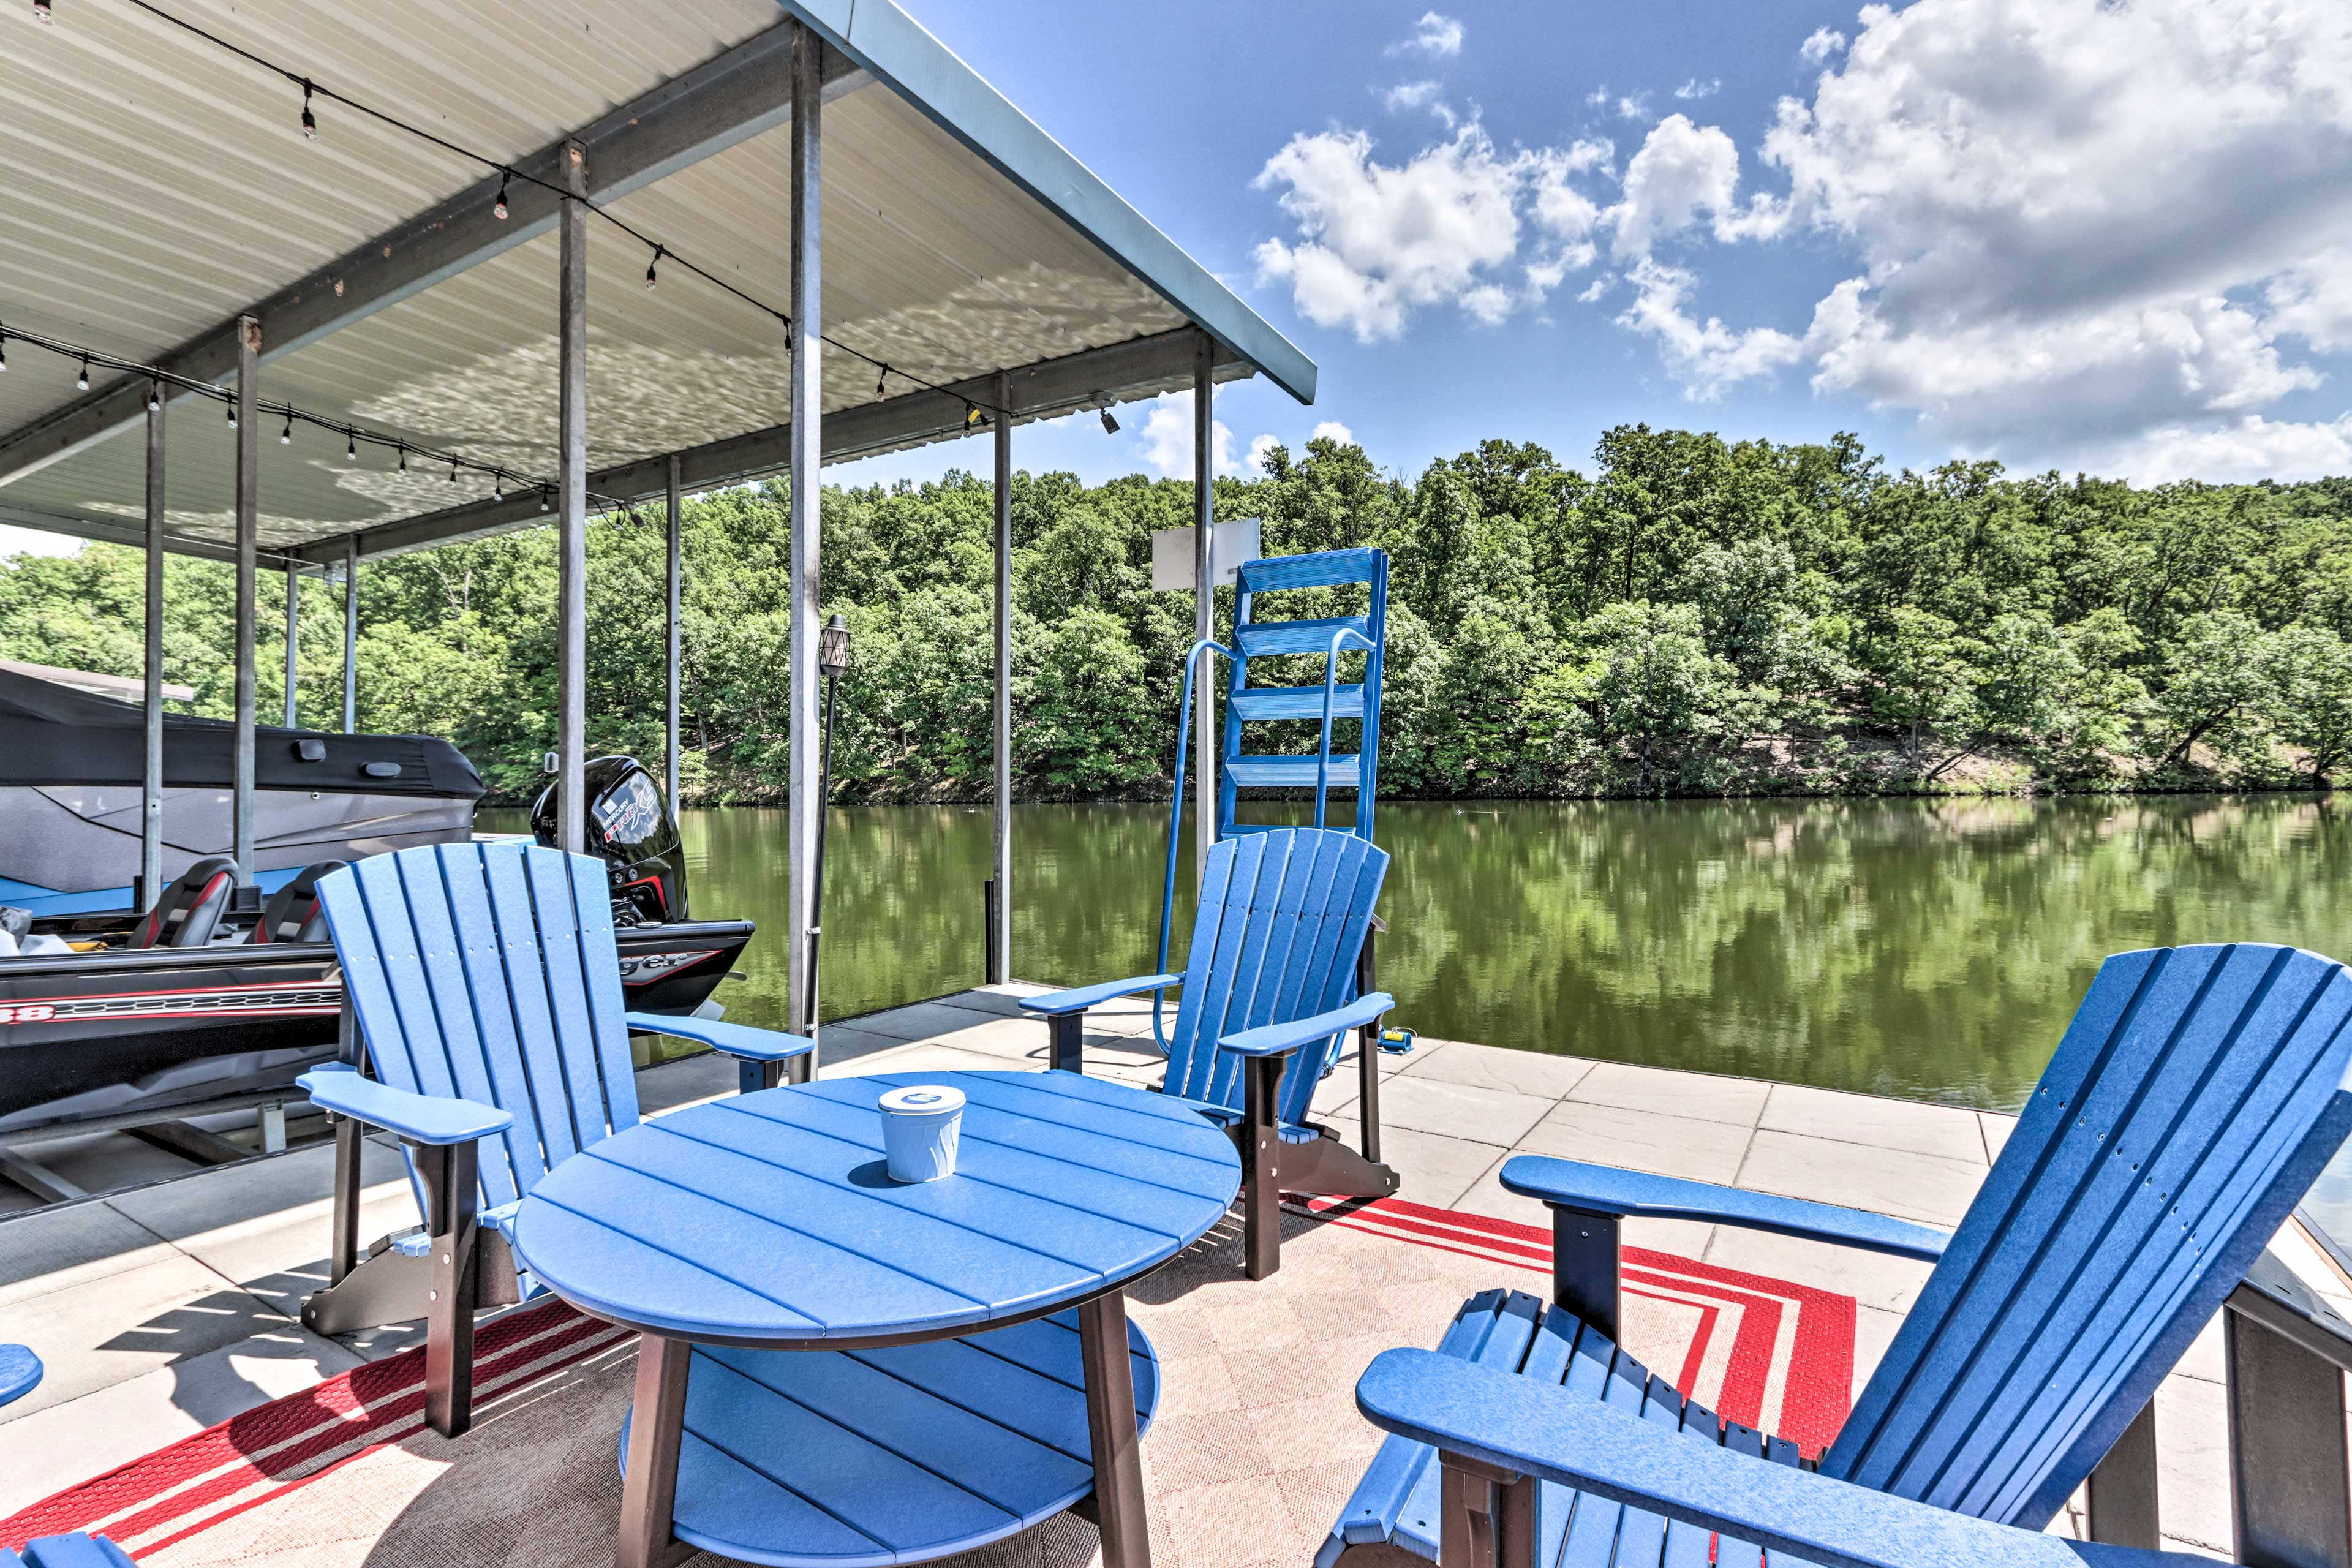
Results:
<point x="1291" y="773"/>
<point x="1323" y="569"/>
<point x="1298" y="703"/>
<point x="1257" y="637"/>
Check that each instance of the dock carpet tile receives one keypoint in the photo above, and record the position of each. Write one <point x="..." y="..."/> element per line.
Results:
<point x="1256" y="1446"/>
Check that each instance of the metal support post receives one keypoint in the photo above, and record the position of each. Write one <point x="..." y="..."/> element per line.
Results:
<point x="1205" y="751"/>
<point x="270" y="1121"/>
<point x="1262" y="1145"/>
<point x="572" y="518"/>
<point x="293" y="637"/>
<point x="343" y="1242"/>
<point x="1000" y="935"/>
<point x="249" y="546"/>
<point x="991" y="966"/>
<point x="1109" y="1378"/>
<point x="803" y="807"/>
<point x="669" y="746"/>
<point x="1066" y="1038"/>
<point x="450" y="1177"/>
<point x="2122" y="1489"/>
<point x="151" y="780"/>
<point x="350" y="634"/>
<point x="1584" y="1268"/>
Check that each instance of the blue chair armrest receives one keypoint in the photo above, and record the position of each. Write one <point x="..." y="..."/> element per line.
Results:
<point x="1530" y="1427"/>
<point x="1055" y="1003"/>
<point x="1605" y="1189"/>
<point x="1274" y="1039"/>
<point x="420" y="1118"/>
<point x="20" y="1373"/>
<point x="740" y="1040"/>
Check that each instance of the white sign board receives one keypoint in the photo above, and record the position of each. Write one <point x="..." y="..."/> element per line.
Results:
<point x="1229" y="544"/>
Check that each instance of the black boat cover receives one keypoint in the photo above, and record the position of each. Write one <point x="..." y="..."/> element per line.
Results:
<point x="52" y="734"/>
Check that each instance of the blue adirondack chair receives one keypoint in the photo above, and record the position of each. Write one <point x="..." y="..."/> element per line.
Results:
<point x="20" y="1373"/>
<point x="483" y="988"/>
<point x="2190" y="1103"/>
<point x="1269" y="994"/>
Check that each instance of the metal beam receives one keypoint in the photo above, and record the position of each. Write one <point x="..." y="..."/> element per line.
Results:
<point x="1000" y="940"/>
<point x="351" y="634"/>
<point x="1116" y="372"/>
<point x="150" y="773"/>
<point x="248" y="532"/>
<point x="293" y="643"/>
<point x="670" y="729"/>
<point x="803" y="809"/>
<point x="1205" y="751"/>
<point x="571" y="518"/>
<point x="120" y="531"/>
<point x="727" y="99"/>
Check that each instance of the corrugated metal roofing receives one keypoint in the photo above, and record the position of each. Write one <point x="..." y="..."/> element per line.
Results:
<point x="175" y="188"/>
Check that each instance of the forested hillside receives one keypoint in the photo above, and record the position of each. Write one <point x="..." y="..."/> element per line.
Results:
<point x="1686" y="616"/>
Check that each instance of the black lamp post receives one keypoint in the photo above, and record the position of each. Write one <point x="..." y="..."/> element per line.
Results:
<point x="832" y="660"/>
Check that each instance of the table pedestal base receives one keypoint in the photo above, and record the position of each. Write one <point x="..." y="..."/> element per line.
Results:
<point x="794" y="1457"/>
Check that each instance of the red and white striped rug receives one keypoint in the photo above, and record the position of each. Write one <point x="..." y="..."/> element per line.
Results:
<point x="346" y="1473"/>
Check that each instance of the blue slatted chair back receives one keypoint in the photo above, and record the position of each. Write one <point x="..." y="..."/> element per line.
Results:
<point x="2192" y="1100"/>
<point x="1282" y="918"/>
<point x="488" y="972"/>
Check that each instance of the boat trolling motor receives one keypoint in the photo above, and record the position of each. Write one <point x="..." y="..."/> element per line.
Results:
<point x="631" y="829"/>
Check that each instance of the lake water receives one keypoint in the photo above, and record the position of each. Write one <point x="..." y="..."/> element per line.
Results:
<point x="1931" y="950"/>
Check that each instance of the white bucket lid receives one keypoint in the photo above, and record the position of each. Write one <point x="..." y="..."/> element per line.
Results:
<point x="923" y="1099"/>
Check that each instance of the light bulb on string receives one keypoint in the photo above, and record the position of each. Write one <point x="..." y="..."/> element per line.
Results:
<point x="658" y="254"/>
<point x="155" y="395"/>
<point x="4" y="352"/>
<point x="81" y="381"/>
<point x="497" y="486"/>
<point x="403" y="456"/>
<point x="499" y="209"/>
<point x="310" y="121"/>
<point x="285" y="432"/>
<point x="882" y="381"/>
<point x="351" y="446"/>
<point x="232" y="412"/>
<point x="453" y="470"/>
<point x="41" y="11"/>
<point x="543" y="497"/>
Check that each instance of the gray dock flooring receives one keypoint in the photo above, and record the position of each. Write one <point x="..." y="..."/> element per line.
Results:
<point x="163" y="1310"/>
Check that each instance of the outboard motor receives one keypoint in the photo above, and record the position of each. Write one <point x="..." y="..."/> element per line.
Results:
<point x="630" y="828"/>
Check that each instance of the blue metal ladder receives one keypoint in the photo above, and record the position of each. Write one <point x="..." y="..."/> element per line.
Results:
<point x="1357" y="771"/>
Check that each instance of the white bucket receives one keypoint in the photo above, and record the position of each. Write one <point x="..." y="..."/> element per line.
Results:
<point x="919" y="1130"/>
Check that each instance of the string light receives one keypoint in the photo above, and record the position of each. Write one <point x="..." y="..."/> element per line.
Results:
<point x="881" y="381"/>
<point x="285" y="436"/>
<point x="403" y="456"/>
<point x="232" y="412"/>
<point x="658" y="253"/>
<point x="453" y="470"/>
<point x="81" y="382"/>
<point x="41" y="11"/>
<point x="154" y="396"/>
<point x="310" y="121"/>
<point x="351" y="446"/>
<point x="498" y="485"/>
<point x="4" y="352"/>
<point x="498" y="210"/>
<point x="543" y="497"/>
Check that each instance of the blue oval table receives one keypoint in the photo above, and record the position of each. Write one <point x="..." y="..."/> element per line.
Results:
<point x="963" y="1385"/>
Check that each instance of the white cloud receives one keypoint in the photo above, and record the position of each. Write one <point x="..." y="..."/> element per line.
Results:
<point x="1332" y="430"/>
<point x="1634" y="106"/>
<point x="1168" y="439"/>
<point x="1681" y="172"/>
<point x="1433" y="34"/>
<point x="2082" y="226"/>
<point x="1821" y="45"/>
<point x="1409" y="95"/>
<point x="37" y="542"/>
<point x="1376" y="242"/>
<point x="1695" y="89"/>
<point x="1261" y="448"/>
<point x="1598" y="96"/>
<point x="2252" y="449"/>
<point x="1707" y="357"/>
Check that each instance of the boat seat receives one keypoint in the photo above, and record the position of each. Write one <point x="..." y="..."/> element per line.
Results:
<point x="294" y="912"/>
<point x="190" y="910"/>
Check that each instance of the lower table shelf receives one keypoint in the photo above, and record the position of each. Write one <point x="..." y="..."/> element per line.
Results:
<point x="843" y="1458"/>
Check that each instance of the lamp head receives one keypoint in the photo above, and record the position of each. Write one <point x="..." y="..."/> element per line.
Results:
<point x="833" y="648"/>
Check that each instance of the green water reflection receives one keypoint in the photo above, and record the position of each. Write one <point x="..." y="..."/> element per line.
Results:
<point x="1931" y="950"/>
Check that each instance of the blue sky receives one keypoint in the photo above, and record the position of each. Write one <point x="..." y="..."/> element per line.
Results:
<point x="2056" y="232"/>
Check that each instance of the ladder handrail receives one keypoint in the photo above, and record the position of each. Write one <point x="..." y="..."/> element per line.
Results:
<point x="1176" y="821"/>
<point x="1323" y="761"/>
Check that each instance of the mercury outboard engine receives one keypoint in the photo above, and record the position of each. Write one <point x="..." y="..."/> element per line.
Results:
<point x="630" y="828"/>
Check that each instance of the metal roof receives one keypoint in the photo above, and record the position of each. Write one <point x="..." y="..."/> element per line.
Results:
<point x="175" y="190"/>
